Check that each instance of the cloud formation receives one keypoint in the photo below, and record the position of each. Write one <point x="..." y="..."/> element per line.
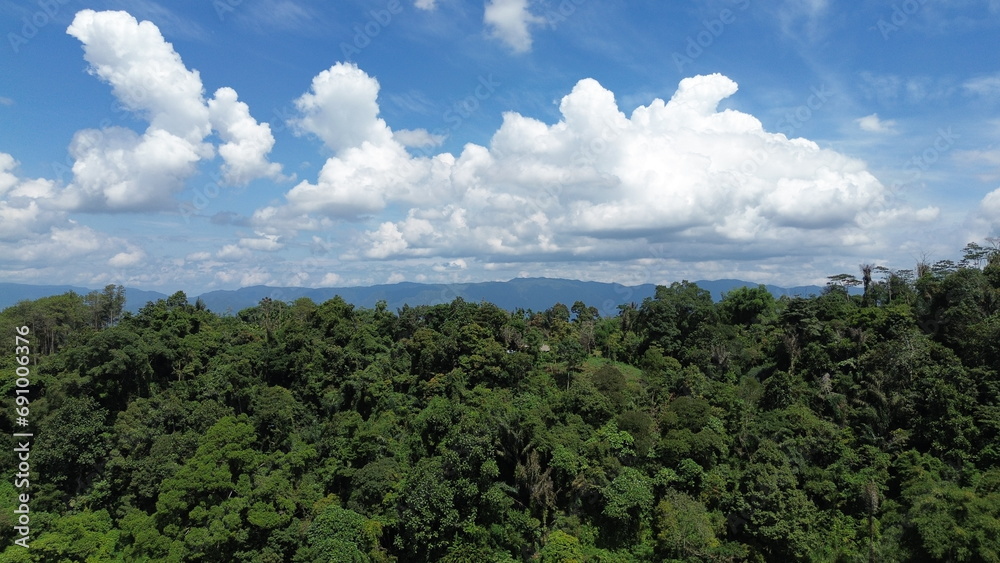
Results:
<point x="36" y="234"/>
<point x="116" y="169"/>
<point x="988" y="214"/>
<point x="598" y="184"/>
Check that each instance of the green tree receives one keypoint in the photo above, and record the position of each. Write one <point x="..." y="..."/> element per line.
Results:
<point x="561" y="547"/>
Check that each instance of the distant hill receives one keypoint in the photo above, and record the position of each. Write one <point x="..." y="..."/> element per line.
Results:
<point x="136" y="299"/>
<point x="536" y="294"/>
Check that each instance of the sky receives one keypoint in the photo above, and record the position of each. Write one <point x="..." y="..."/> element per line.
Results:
<point x="218" y="144"/>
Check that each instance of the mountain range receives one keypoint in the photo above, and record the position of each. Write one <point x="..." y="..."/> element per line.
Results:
<point x="536" y="294"/>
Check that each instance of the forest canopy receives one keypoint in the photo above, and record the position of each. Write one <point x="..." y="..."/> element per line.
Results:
<point x="839" y="427"/>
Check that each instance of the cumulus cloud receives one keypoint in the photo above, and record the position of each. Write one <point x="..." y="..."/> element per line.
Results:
<point x="64" y="242"/>
<point x="341" y="109"/>
<point x="988" y="214"/>
<point x="370" y="166"/>
<point x="510" y="22"/>
<point x="116" y="169"/>
<point x="39" y="241"/>
<point x="597" y="184"/>
<point x="25" y="204"/>
<point x="247" y="142"/>
<point x="35" y="231"/>
<point x="145" y="73"/>
<point x="872" y="124"/>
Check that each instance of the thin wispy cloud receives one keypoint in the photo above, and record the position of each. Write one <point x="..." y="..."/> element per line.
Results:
<point x="984" y="86"/>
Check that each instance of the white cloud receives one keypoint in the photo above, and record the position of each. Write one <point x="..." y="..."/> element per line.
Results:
<point x="330" y="280"/>
<point x="247" y="142"/>
<point x="4" y="101"/>
<point x="370" y="166"/>
<point x="17" y="222"/>
<point x="359" y="182"/>
<point x="129" y="258"/>
<point x="232" y="252"/>
<point x="989" y="208"/>
<point x="509" y="21"/>
<point x="116" y="169"/>
<point x="145" y="73"/>
<point x="596" y="185"/>
<point x="267" y="243"/>
<point x="22" y="190"/>
<point x="341" y="109"/>
<point x="7" y="178"/>
<point x="428" y="5"/>
<point x="26" y="210"/>
<point x="872" y="124"/>
<point x="64" y="242"/>
<point x="38" y="235"/>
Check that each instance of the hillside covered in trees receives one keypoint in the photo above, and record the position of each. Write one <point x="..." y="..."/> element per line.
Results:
<point x="833" y="428"/>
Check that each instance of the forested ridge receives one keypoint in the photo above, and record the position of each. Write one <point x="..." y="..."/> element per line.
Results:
<point x="833" y="428"/>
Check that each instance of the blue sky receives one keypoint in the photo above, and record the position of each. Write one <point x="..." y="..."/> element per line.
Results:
<point x="218" y="144"/>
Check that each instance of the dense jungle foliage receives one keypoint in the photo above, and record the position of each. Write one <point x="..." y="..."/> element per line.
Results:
<point x="838" y="427"/>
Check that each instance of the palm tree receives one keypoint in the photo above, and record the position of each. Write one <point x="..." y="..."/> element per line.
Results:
<point x="866" y="277"/>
